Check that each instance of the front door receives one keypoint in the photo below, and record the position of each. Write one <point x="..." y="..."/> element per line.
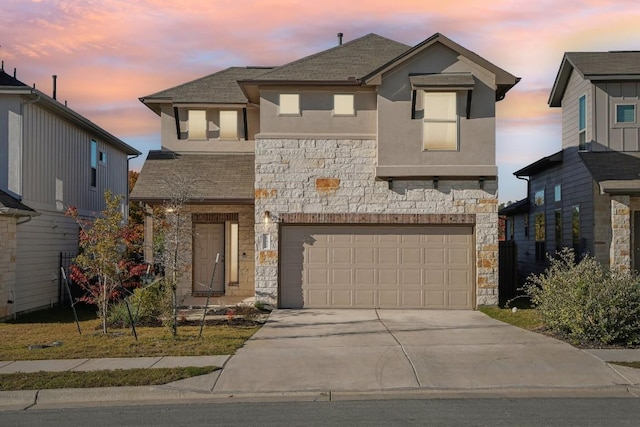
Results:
<point x="635" y="241"/>
<point x="208" y="242"/>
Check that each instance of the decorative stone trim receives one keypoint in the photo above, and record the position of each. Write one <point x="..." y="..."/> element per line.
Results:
<point x="372" y="218"/>
<point x="213" y="218"/>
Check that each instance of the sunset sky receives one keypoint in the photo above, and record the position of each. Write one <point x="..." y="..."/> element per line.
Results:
<point x="108" y="53"/>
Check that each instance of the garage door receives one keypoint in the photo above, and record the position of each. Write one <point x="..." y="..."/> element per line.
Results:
<point x="376" y="266"/>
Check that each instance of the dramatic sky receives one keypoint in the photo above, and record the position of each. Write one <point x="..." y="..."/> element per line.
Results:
<point x="108" y="53"/>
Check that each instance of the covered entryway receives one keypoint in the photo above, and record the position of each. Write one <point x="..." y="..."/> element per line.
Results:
<point x="208" y="241"/>
<point x="376" y="266"/>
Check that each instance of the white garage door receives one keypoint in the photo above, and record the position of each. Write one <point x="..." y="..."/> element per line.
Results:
<point x="376" y="266"/>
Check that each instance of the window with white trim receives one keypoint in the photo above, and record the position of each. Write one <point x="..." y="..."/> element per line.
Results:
<point x="289" y="104"/>
<point x="228" y="124"/>
<point x="197" y="124"/>
<point x="343" y="104"/>
<point x="440" y="128"/>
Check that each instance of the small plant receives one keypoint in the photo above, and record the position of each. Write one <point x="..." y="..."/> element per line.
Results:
<point x="259" y="305"/>
<point x="586" y="301"/>
<point x="230" y="314"/>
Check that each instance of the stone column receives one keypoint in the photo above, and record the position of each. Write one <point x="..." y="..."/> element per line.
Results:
<point x="620" y="252"/>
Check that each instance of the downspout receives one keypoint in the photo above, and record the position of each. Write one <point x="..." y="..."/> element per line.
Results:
<point x="177" y="118"/>
<point x="244" y="119"/>
<point x="528" y="193"/>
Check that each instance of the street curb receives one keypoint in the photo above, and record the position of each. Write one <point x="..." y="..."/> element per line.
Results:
<point x="156" y="395"/>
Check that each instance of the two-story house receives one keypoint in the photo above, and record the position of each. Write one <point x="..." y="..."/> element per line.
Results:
<point x="360" y="176"/>
<point x="587" y="195"/>
<point x="50" y="158"/>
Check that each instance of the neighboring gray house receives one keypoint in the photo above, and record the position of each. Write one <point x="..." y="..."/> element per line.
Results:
<point x="586" y="196"/>
<point x="373" y="183"/>
<point x="50" y="158"/>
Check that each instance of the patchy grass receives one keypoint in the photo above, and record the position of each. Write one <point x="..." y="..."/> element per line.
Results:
<point x="111" y="378"/>
<point x="57" y="325"/>
<point x="629" y="364"/>
<point x="526" y="318"/>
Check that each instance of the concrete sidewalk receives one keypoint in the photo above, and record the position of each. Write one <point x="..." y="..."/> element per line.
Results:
<point x="362" y="354"/>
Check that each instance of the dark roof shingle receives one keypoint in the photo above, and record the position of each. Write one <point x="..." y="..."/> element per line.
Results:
<point x="605" y="63"/>
<point x="224" y="177"/>
<point x="354" y="59"/>
<point x="10" y="203"/>
<point x="612" y="165"/>
<point x="221" y="87"/>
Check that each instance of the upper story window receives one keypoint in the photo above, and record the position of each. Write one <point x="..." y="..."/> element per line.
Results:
<point x="440" y="129"/>
<point x="582" y="123"/>
<point x="197" y="124"/>
<point x="102" y="157"/>
<point x="343" y="104"/>
<point x="289" y="104"/>
<point x="228" y="124"/>
<point x="625" y="113"/>
<point x="557" y="193"/>
<point x="94" y="163"/>
<point x="538" y="197"/>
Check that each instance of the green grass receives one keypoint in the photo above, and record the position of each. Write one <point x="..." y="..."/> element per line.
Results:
<point x="525" y="318"/>
<point x="57" y="325"/>
<point x="629" y="364"/>
<point x="111" y="378"/>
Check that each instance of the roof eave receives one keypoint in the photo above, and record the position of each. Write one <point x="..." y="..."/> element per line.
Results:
<point x="18" y="212"/>
<point x="540" y="165"/>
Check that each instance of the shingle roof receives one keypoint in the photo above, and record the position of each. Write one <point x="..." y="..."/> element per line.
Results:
<point x="354" y="59"/>
<point x="605" y="63"/>
<point x="540" y="165"/>
<point x="212" y="177"/>
<point x="7" y="80"/>
<point x="521" y="206"/>
<point x="594" y="66"/>
<point x="612" y="165"/>
<point x="221" y="87"/>
<point x="10" y="204"/>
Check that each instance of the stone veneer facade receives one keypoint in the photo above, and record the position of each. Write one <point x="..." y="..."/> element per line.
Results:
<point x="209" y="214"/>
<point x="337" y="176"/>
<point x="8" y="249"/>
<point x="621" y="249"/>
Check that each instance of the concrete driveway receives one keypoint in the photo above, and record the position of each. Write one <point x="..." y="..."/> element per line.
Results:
<point x="384" y="350"/>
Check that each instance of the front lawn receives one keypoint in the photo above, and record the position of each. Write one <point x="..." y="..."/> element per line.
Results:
<point x="525" y="318"/>
<point x="52" y="334"/>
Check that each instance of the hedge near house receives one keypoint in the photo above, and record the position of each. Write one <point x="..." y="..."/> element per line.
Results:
<point x="587" y="301"/>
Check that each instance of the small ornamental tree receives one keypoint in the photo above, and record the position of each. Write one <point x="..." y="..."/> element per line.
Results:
<point x="102" y="268"/>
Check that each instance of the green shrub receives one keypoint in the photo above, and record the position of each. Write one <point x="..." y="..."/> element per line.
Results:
<point x="145" y="305"/>
<point x="586" y="301"/>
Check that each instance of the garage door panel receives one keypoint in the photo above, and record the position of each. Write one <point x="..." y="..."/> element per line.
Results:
<point x="377" y="266"/>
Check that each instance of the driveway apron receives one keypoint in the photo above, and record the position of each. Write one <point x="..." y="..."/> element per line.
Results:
<point x="377" y="350"/>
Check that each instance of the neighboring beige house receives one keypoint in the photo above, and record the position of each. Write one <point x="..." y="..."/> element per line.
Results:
<point x="587" y="195"/>
<point x="364" y="176"/>
<point x="50" y="158"/>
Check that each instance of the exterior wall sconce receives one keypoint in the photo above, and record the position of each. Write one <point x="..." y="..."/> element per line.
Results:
<point x="481" y="182"/>
<point x="267" y="217"/>
<point x="390" y="181"/>
<point x="435" y="182"/>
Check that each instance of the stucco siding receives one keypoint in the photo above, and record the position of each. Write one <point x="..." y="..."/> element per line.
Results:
<point x="316" y="113"/>
<point x="400" y="136"/>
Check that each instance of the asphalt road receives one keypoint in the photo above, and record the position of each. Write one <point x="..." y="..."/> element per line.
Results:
<point x="433" y="412"/>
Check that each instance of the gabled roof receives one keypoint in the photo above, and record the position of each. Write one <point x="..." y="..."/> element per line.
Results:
<point x="224" y="178"/>
<point x="344" y="63"/>
<point x="540" y="165"/>
<point x="11" y="85"/>
<point x="616" y="172"/>
<point x="595" y="66"/>
<point x="217" y="88"/>
<point x="10" y="205"/>
<point x="504" y="80"/>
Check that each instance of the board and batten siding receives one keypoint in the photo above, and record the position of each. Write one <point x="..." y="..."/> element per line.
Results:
<point x="56" y="159"/>
<point x="608" y="135"/>
<point x="576" y="87"/>
<point x="57" y="164"/>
